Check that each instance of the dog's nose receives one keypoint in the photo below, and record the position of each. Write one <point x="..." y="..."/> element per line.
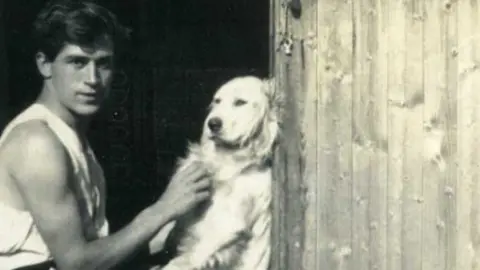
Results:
<point x="215" y="124"/>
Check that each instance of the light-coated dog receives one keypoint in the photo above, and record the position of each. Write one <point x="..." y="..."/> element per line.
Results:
<point x="232" y="231"/>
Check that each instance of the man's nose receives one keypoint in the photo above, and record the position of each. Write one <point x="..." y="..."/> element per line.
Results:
<point x="92" y="76"/>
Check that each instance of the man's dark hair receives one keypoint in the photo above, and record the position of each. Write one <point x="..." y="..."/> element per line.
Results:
<point x="76" y="22"/>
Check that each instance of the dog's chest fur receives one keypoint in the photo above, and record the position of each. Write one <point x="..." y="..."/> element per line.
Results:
<point x="227" y="213"/>
<point x="239" y="188"/>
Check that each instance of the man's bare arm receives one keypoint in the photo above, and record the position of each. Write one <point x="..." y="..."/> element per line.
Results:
<point x="43" y="171"/>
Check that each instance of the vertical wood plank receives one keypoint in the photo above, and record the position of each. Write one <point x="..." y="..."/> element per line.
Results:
<point x="412" y="197"/>
<point x="279" y="239"/>
<point x="378" y="46"/>
<point x="475" y="188"/>
<point x="311" y="175"/>
<point x="335" y="130"/>
<point x="435" y="128"/>
<point x="451" y="146"/>
<point x="294" y="145"/>
<point x="396" y="126"/>
<point x="468" y="103"/>
<point x="362" y="106"/>
<point x="475" y="56"/>
<point x="323" y="249"/>
<point x="289" y="202"/>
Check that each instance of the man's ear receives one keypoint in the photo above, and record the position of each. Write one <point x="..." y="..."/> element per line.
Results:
<point x="44" y="65"/>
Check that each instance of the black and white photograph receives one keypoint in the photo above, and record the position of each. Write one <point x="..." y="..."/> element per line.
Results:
<point x="240" y="135"/>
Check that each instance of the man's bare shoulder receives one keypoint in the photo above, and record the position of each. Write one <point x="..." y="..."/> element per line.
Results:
<point x="33" y="150"/>
<point x="31" y="135"/>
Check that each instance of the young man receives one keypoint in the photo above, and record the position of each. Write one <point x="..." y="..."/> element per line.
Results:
<point x="52" y="193"/>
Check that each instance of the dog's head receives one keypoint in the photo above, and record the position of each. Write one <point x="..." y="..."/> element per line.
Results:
<point x="244" y="117"/>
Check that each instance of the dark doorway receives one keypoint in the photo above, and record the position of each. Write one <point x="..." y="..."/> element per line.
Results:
<point x="181" y="52"/>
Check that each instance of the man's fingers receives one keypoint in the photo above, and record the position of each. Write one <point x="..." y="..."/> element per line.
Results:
<point x="192" y="172"/>
<point x="196" y="175"/>
<point x="203" y="183"/>
<point x="201" y="196"/>
<point x="199" y="174"/>
<point x="191" y="167"/>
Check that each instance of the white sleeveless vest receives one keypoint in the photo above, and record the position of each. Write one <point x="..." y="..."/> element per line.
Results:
<point x="20" y="242"/>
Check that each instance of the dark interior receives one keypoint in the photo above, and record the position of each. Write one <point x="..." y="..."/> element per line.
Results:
<point x="180" y="53"/>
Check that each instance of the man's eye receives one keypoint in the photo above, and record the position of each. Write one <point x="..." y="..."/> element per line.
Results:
<point x="104" y="64"/>
<point x="239" y="102"/>
<point x="79" y="63"/>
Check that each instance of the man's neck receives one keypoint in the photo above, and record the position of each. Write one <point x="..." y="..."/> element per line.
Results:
<point x="78" y="124"/>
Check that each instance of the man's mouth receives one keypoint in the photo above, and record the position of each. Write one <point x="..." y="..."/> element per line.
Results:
<point x="90" y="96"/>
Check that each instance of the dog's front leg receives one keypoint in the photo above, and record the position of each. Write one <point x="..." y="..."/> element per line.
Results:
<point x="192" y="261"/>
<point x="227" y="255"/>
<point x="182" y="262"/>
<point x="222" y="254"/>
<point x="223" y="257"/>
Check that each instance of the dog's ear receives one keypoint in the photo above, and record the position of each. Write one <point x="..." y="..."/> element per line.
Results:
<point x="275" y="97"/>
<point x="270" y="126"/>
<point x="263" y="144"/>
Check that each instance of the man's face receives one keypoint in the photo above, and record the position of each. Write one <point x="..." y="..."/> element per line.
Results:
<point x="80" y="78"/>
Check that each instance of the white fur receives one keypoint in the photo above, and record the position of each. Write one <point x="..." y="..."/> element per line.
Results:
<point x="232" y="231"/>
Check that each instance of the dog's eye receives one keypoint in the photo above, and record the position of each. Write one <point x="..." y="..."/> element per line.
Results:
<point x="216" y="100"/>
<point x="239" y="102"/>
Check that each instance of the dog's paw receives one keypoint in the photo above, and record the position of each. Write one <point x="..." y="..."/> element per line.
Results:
<point x="179" y="263"/>
<point x="211" y="263"/>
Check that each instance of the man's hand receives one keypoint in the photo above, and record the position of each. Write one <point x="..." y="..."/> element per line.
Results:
<point x="187" y="188"/>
